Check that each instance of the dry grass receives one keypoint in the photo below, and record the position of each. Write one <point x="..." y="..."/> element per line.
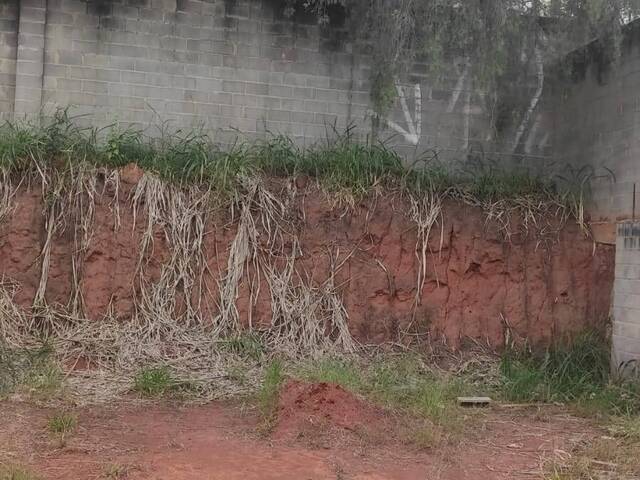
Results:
<point x="605" y="458"/>
<point x="16" y="472"/>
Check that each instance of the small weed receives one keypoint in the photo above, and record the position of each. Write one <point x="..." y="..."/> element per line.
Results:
<point x="116" y="471"/>
<point x="153" y="381"/>
<point x="14" y="472"/>
<point x="268" y="394"/>
<point x="342" y="372"/>
<point x="248" y="345"/>
<point x="427" y="437"/>
<point x="62" y="423"/>
<point x="44" y="379"/>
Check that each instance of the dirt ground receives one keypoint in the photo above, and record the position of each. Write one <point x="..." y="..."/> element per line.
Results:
<point x="169" y="441"/>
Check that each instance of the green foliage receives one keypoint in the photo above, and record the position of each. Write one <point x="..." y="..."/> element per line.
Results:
<point x="397" y="383"/>
<point x="340" y="165"/>
<point x="62" y="423"/>
<point x="153" y="381"/>
<point x="269" y="390"/>
<point x="578" y="373"/>
<point x="248" y="345"/>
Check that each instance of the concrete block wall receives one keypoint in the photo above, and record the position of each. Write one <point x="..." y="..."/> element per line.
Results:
<point x="222" y="65"/>
<point x="29" y="57"/>
<point x="8" y="52"/>
<point x="626" y="301"/>
<point x="595" y="126"/>
<point x="229" y="66"/>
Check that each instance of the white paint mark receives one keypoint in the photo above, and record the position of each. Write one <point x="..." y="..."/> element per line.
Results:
<point x="531" y="138"/>
<point x="414" y="124"/>
<point x="467" y="118"/>
<point x="534" y="100"/>
<point x="455" y="95"/>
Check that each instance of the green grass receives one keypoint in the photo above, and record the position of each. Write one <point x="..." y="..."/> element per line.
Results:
<point x="153" y="381"/>
<point x="577" y="374"/>
<point x="62" y="423"/>
<point x="15" y="472"/>
<point x="248" y="345"/>
<point x="340" y="164"/>
<point x="269" y="391"/>
<point x="398" y="383"/>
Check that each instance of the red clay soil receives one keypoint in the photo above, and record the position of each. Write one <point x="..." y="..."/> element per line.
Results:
<point x="477" y="284"/>
<point x="217" y="442"/>
<point x="306" y="406"/>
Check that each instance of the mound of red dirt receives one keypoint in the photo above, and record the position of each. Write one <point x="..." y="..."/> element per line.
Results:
<point x="325" y="408"/>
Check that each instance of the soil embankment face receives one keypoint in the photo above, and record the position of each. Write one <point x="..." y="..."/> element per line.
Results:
<point x="475" y="284"/>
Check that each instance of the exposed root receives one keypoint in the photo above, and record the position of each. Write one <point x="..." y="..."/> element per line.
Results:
<point x="81" y="203"/>
<point x="181" y="214"/>
<point x="112" y="183"/>
<point x="425" y="212"/>
<point x="7" y="194"/>
<point x="14" y="322"/>
<point x="306" y="320"/>
<point x="54" y="214"/>
<point x="261" y="231"/>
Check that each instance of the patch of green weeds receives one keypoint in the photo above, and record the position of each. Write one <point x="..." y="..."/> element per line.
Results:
<point x="268" y="393"/>
<point x="248" y="345"/>
<point x="62" y="423"/>
<point x="578" y="374"/>
<point x="403" y="384"/>
<point x="339" y="164"/>
<point x="153" y="381"/>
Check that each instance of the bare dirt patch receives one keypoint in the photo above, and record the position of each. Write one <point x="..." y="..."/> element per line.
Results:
<point x="323" y="413"/>
<point x="219" y="441"/>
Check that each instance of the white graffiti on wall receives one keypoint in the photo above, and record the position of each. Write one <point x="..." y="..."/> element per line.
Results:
<point x="414" y="124"/>
<point x="528" y="132"/>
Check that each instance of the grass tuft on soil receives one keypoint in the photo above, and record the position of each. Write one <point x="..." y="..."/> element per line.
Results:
<point x="62" y="423"/>
<point x="267" y="396"/>
<point x="153" y="381"/>
<point x="399" y="383"/>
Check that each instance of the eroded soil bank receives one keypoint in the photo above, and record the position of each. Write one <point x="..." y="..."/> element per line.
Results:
<point x="477" y="283"/>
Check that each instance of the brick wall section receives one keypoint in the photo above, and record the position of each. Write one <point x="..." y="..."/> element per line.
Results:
<point x="626" y="302"/>
<point x="8" y="50"/>
<point x="30" y="54"/>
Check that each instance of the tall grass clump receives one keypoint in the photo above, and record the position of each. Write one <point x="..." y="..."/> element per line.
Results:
<point x="269" y="393"/>
<point x="193" y="157"/>
<point x="577" y="373"/>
